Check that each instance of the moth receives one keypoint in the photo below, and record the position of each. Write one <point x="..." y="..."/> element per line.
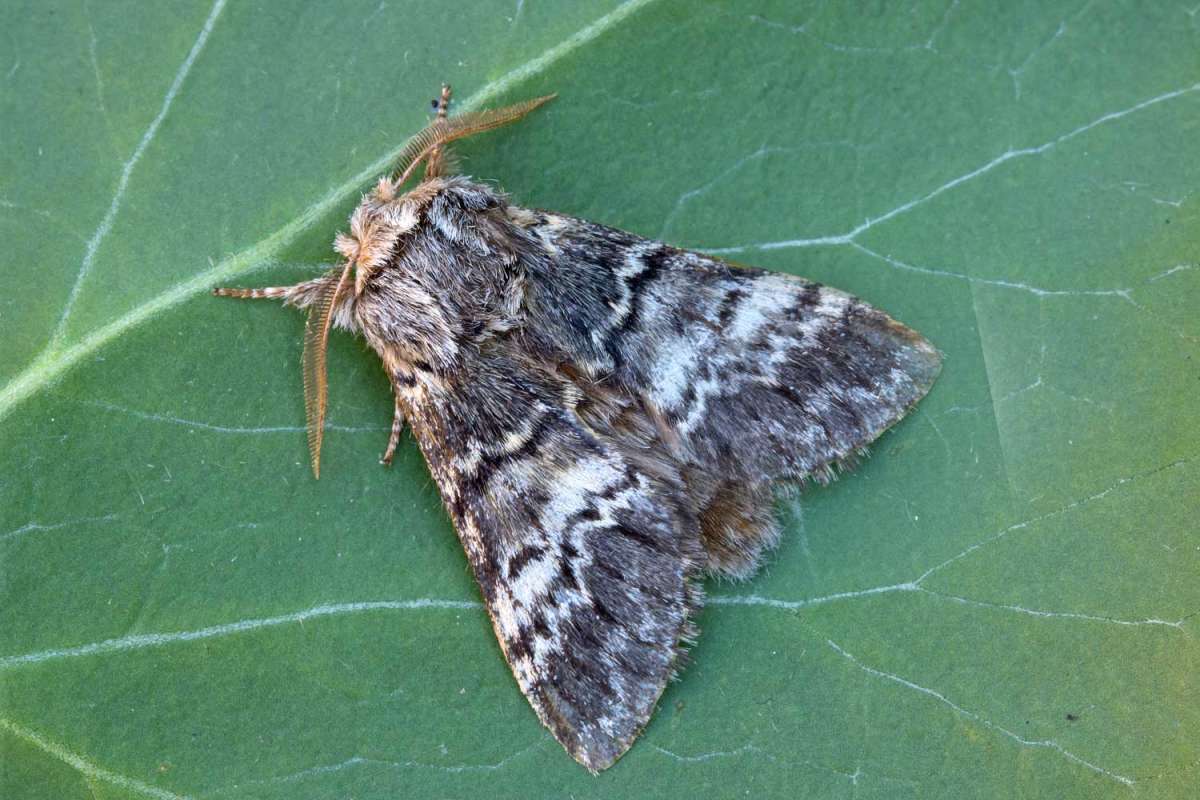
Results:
<point x="608" y="418"/>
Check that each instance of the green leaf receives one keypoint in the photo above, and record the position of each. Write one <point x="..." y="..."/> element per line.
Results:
<point x="999" y="603"/>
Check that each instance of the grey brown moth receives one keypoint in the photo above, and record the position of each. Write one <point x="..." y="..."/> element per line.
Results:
<point x="607" y="417"/>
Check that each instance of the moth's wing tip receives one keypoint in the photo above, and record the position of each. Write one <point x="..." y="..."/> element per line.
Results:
<point x="925" y="361"/>
<point x="597" y="747"/>
<point x="597" y="753"/>
<point x="926" y="364"/>
<point x="597" y="758"/>
<point x="918" y="356"/>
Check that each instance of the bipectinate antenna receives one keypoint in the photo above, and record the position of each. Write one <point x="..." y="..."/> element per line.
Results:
<point x="316" y="341"/>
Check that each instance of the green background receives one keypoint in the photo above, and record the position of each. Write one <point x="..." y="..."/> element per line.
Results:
<point x="999" y="603"/>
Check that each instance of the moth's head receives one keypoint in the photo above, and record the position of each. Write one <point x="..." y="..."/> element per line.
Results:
<point x="377" y="228"/>
<point x="383" y="218"/>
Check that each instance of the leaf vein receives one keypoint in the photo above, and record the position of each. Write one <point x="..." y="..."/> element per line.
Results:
<point x="102" y="230"/>
<point x="144" y="640"/>
<point x="86" y="768"/>
<point x="852" y="235"/>
<point x="971" y="715"/>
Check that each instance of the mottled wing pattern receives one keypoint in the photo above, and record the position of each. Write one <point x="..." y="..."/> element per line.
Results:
<point x="608" y="418"/>
<point x="584" y="560"/>
<point x="751" y="377"/>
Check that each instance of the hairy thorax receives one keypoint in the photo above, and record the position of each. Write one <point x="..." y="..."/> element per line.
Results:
<point x="436" y="275"/>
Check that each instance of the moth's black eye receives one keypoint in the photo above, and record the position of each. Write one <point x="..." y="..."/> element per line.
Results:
<point x="434" y="103"/>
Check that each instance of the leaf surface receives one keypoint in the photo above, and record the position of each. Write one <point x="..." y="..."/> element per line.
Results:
<point x="1000" y="602"/>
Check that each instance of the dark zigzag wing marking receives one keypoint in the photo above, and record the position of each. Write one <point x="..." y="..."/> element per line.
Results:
<point x="584" y="562"/>
<point x="523" y="557"/>
<point x="643" y="265"/>
<point x="523" y="444"/>
<point x="762" y="375"/>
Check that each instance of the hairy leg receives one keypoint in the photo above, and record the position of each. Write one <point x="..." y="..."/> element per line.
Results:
<point x="394" y="439"/>
<point x="300" y="295"/>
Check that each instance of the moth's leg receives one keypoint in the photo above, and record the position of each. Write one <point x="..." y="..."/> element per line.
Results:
<point x="300" y="295"/>
<point x="265" y="291"/>
<point x="435" y="164"/>
<point x="394" y="439"/>
<point x="442" y="104"/>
